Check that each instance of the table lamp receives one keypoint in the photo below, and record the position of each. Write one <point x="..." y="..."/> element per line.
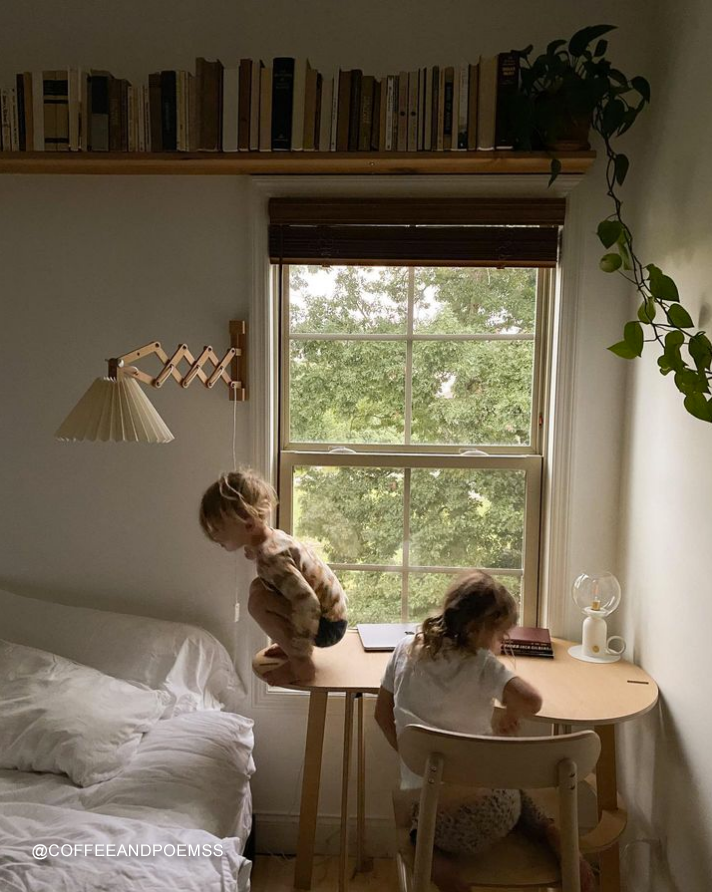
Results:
<point x="597" y="595"/>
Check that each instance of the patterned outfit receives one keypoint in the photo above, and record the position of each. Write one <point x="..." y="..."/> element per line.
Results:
<point x="318" y="602"/>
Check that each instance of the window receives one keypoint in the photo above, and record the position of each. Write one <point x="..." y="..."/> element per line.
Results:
<point x="409" y="437"/>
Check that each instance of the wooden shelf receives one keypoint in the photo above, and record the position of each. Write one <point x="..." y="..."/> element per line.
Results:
<point x="293" y="163"/>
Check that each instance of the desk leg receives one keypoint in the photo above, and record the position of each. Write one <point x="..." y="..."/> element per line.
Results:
<point x="607" y="787"/>
<point x="345" y="771"/>
<point x="310" y="790"/>
<point x="363" y="864"/>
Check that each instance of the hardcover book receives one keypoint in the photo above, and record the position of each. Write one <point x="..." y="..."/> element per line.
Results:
<point x="507" y="87"/>
<point x="282" y="89"/>
<point x="208" y="91"/>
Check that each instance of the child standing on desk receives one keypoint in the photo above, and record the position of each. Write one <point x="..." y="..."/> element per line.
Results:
<point x="447" y="677"/>
<point x="296" y="598"/>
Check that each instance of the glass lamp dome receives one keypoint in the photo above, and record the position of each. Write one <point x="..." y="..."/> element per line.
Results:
<point x="596" y="594"/>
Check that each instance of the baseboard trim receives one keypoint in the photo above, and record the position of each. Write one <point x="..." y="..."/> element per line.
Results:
<point x="277" y="834"/>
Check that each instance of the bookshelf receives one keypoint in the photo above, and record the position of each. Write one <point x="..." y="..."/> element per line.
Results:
<point x="291" y="163"/>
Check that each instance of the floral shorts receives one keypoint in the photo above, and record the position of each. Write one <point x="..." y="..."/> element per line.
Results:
<point x="474" y="826"/>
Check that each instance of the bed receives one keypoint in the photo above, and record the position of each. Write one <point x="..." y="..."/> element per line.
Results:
<point x="177" y="814"/>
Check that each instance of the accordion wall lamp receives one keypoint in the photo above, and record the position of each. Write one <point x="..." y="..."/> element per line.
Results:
<point x="115" y="408"/>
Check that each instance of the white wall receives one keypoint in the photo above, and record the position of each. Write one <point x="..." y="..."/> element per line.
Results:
<point x="667" y="484"/>
<point x="91" y="266"/>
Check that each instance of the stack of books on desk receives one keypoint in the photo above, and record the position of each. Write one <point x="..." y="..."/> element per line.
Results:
<point x="527" y="641"/>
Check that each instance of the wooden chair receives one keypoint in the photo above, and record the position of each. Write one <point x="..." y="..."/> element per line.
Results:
<point x="532" y="763"/>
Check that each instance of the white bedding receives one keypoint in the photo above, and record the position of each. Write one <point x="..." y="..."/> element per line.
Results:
<point x="187" y="860"/>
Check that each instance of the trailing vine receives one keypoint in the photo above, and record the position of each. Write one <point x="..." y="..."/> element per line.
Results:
<point x="572" y="82"/>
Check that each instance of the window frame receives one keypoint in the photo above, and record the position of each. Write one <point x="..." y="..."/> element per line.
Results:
<point x="528" y="458"/>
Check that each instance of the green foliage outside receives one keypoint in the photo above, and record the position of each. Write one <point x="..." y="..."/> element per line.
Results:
<point x="465" y="394"/>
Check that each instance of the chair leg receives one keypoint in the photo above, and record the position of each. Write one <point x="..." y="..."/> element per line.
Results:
<point x="346" y="770"/>
<point x="426" y="823"/>
<point x="568" y="804"/>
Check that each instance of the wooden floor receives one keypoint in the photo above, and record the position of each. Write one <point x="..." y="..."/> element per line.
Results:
<point x="275" y="873"/>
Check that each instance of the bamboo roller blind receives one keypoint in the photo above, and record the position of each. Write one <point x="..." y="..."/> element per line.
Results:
<point x="435" y="232"/>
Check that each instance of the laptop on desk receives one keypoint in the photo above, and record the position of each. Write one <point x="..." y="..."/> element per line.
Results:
<point x="383" y="636"/>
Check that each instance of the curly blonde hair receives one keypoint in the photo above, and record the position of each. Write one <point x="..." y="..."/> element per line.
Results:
<point x="474" y="601"/>
<point x="242" y="494"/>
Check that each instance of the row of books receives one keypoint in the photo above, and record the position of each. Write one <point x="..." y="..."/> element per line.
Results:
<point x="528" y="641"/>
<point x="288" y="106"/>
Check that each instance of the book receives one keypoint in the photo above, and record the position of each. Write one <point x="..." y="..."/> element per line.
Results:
<point x="413" y="96"/>
<point x="422" y="93"/>
<point x="428" y="118"/>
<point x="402" y="142"/>
<point x="5" y="139"/>
<point x="147" y="120"/>
<point x="376" y="128"/>
<point x="472" y="96"/>
<point x="440" y="132"/>
<point x="365" y="124"/>
<point x="344" y="100"/>
<point x="463" y="106"/>
<point x="99" y="100"/>
<point x="29" y="110"/>
<point x="114" y="115"/>
<point x="14" y="121"/>
<point x="391" y="113"/>
<point x="311" y="101"/>
<point x="507" y="88"/>
<point x="56" y="111"/>
<point x="354" y="108"/>
<point x="208" y="93"/>
<point x="528" y="641"/>
<point x="230" y="93"/>
<point x="449" y="97"/>
<point x="265" y="140"/>
<point x="487" y="103"/>
<point x="282" y="89"/>
<point x="21" y="127"/>
<point x="133" y="118"/>
<point x="255" y="105"/>
<point x="301" y="67"/>
<point x="182" y="110"/>
<point x="326" y="114"/>
<point x="334" y="113"/>
<point x="154" y="117"/>
<point x="169" y="112"/>
<point x="75" y="105"/>
<point x="37" y="112"/>
<point x="243" y="107"/>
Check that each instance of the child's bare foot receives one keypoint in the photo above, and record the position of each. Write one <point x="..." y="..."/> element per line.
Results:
<point x="275" y="650"/>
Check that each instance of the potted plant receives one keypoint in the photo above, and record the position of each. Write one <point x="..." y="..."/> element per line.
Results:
<point x="563" y="93"/>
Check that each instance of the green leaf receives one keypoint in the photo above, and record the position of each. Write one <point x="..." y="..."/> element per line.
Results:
<point x="697" y="405"/>
<point x="679" y="317"/>
<point x="646" y="311"/>
<point x="674" y="339"/>
<point x="642" y="86"/>
<point x="609" y="263"/>
<point x="555" y="170"/>
<point x="700" y="350"/>
<point x="609" y="231"/>
<point x="601" y="48"/>
<point x="661" y="286"/>
<point x="554" y="46"/>
<point x="621" y="168"/>
<point x="687" y="381"/>
<point x="582" y="38"/>
<point x="633" y="337"/>
<point x="664" y="363"/>
<point x="525" y="52"/>
<point x="623" y="350"/>
<point x="613" y="117"/>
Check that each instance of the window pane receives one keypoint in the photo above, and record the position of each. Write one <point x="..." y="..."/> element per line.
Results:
<point x="474" y="301"/>
<point x="470" y="393"/>
<point x="373" y="597"/>
<point x="463" y="518"/>
<point x="348" y="299"/>
<point x="426" y="592"/>
<point x="347" y="392"/>
<point x="355" y="514"/>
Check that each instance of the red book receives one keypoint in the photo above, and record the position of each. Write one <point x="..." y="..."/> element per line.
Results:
<point x="528" y="641"/>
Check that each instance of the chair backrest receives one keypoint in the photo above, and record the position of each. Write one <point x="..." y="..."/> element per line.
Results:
<point x="501" y="762"/>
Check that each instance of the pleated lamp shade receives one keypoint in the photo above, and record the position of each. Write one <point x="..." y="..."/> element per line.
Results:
<point x="115" y="409"/>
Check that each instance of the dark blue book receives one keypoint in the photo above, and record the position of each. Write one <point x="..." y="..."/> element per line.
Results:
<point x="169" y="112"/>
<point x="282" y="91"/>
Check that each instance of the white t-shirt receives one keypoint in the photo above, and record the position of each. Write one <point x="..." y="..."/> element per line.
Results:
<point x="452" y="692"/>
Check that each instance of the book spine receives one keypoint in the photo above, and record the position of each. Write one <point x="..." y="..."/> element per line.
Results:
<point x="342" y="132"/>
<point x="229" y="109"/>
<point x="84" y="112"/>
<point x="428" y="112"/>
<point x="5" y="140"/>
<point x="487" y="103"/>
<point x="49" y="111"/>
<point x="181" y="111"/>
<point x="355" y="108"/>
<point x="441" y="111"/>
<point x="310" y="110"/>
<point x="21" y="124"/>
<point x="38" y="144"/>
<point x="169" y="118"/>
<point x="472" y="100"/>
<point x="301" y="66"/>
<point x="29" y="123"/>
<point x="383" y="115"/>
<point x="99" y="125"/>
<point x="265" y="143"/>
<point x="376" y="126"/>
<point x="365" y="124"/>
<point x="192" y="131"/>
<point x="282" y="89"/>
<point x="208" y="91"/>
<point x="124" y="107"/>
<point x="390" y="107"/>
<point x="75" y="100"/>
<point x="114" y="115"/>
<point x="422" y="90"/>
<point x="146" y="118"/>
<point x="448" y="109"/>
<point x="254" y="143"/>
<point x="132" y="118"/>
<point x="154" y="100"/>
<point x="334" y="112"/>
<point x="462" y="107"/>
<point x="402" y="144"/>
<point x="61" y="93"/>
<point x="317" y="114"/>
<point x="14" y="121"/>
<point x="507" y="87"/>
<point x="412" y="137"/>
<point x="436" y="109"/>
<point x="141" y="119"/>
<point x="327" y="114"/>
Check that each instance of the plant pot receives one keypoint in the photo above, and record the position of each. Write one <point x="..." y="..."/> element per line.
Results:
<point x="573" y="136"/>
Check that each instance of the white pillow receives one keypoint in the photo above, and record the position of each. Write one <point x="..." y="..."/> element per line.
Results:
<point x="61" y="717"/>
<point x="184" y="660"/>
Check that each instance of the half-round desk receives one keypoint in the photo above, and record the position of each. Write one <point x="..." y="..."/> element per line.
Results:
<point x="575" y="693"/>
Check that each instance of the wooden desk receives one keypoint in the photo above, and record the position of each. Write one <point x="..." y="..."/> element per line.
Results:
<point x="575" y="693"/>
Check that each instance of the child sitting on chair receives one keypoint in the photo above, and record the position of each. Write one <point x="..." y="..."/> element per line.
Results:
<point x="447" y="677"/>
<point x="296" y="598"/>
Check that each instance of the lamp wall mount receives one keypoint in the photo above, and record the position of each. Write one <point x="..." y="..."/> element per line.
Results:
<point x="235" y="357"/>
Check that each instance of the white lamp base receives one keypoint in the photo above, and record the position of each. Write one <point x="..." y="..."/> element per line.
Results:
<point x="578" y="654"/>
